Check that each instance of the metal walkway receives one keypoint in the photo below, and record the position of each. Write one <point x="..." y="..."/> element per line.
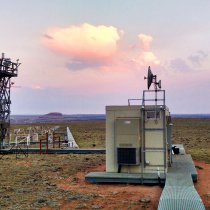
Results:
<point x="179" y="193"/>
<point x="183" y="164"/>
<point x="57" y="151"/>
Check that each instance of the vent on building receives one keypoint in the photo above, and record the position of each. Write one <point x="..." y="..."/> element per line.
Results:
<point x="127" y="156"/>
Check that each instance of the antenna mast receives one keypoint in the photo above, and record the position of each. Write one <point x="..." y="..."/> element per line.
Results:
<point x="8" y="69"/>
<point x="151" y="78"/>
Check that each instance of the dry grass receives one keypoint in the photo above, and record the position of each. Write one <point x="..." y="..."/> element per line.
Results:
<point x="195" y="135"/>
<point x="31" y="183"/>
<point x="88" y="134"/>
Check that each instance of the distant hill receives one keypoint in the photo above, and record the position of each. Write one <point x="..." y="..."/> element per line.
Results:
<point x="57" y="117"/>
<point x="54" y="117"/>
<point x="50" y="117"/>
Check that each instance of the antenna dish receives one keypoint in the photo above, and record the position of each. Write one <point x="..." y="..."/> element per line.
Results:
<point x="151" y="78"/>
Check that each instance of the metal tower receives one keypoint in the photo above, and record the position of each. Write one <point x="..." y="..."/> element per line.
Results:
<point x="8" y="69"/>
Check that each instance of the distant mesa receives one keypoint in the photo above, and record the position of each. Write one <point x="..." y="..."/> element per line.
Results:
<point x="56" y="117"/>
<point x="51" y="117"/>
<point x="53" y="114"/>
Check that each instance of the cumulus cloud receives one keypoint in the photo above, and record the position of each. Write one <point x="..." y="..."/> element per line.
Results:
<point x="95" y="47"/>
<point x="149" y="57"/>
<point x="145" y="55"/>
<point x="84" y="42"/>
<point x="145" y="41"/>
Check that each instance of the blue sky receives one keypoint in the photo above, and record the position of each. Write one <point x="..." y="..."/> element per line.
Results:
<point x="97" y="53"/>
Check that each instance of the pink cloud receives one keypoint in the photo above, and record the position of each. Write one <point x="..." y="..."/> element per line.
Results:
<point x="150" y="58"/>
<point x="147" y="56"/>
<point x="85" y="41"/>
<point x="145" y="41"/>
<point x="98" y="48"/>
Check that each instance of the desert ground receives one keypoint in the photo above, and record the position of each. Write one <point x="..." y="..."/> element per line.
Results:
<point x="57" y="181"/>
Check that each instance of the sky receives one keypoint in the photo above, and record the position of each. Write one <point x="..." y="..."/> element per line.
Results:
<point x="78" y="56"/>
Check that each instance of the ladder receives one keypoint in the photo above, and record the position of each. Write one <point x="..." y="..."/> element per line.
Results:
<point x="153" y="101"/>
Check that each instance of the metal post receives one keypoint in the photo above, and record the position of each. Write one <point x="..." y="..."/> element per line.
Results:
<point x="40" y="146"/>
<point x="47" y="142"/>
<point x="169" y="130"/>
<point x="156" y="104"/>
<point x="53" y="139"/>
<point x="164" y="140"/>
<point x="142" y="131"/>
<point x="59" y="142"/>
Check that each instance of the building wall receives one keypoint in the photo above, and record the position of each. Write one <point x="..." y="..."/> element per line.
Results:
<point x="155" y="144"/>
<point x="112" y="113"/>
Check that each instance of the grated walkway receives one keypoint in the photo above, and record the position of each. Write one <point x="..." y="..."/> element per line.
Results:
<point x="179" y="193"/>
<point x="183" y="164"/>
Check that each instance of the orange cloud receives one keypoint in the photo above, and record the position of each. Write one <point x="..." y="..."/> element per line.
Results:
<point x="84" y="42"/>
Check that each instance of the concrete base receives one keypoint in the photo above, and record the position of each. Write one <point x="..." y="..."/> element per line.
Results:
<point x="106" y="177"/>
<point x="181" y="164"/>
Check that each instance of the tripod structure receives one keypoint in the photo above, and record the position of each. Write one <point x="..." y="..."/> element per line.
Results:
<point x="8" y="69"/>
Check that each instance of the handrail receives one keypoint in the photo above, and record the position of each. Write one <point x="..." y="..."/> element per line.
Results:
<point x="133" y="99"/>
<point x="156" y="98"/>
